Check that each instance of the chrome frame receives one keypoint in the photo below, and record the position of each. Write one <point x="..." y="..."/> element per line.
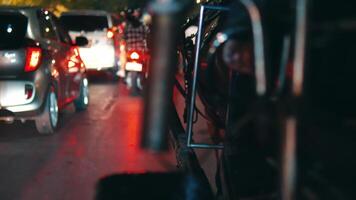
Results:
<point x="260" y="73"/>
<point x="189" y="127"/>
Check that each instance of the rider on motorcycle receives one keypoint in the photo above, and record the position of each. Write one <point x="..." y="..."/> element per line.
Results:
<point x="135" y="32"/>
<point x="135" y="36"/>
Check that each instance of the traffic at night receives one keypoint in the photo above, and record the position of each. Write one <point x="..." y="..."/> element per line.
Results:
<point x="177" y="99"/>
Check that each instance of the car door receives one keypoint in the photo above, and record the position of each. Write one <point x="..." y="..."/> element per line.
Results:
<point x="51" y="42"/>
<point x="74" y="64"/>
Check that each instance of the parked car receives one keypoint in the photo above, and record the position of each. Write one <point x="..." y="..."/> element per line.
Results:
<point x="40" y="68"/>
<point x="101" y="29"/>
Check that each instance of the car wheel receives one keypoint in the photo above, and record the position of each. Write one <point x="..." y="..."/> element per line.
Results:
<point x="47" y="122"/>
<point x="82" y="102"/>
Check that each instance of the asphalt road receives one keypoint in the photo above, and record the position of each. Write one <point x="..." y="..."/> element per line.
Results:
<point x="89" y="145"/>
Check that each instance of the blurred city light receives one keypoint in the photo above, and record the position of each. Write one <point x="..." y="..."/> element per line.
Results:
<point x="59" y="6"/>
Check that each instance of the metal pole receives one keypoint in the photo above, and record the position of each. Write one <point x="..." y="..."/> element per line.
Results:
<point x="195" y="76"/>
<point x="298" y="72"/>
<point x="260" y="72"/>
<point x="288" y="178"/>
<point x="166" y="20"/>
<point x="289" y="148"/>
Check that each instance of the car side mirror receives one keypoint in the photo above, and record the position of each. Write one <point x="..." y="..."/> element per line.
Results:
<point x="81" y="41"/>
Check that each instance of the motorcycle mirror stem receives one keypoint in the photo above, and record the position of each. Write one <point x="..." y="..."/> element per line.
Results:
<point x="167" y="17"/>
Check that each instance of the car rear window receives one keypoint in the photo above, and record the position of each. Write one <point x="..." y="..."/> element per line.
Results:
<point x="84" y="22"/>
<point x="13" y="28"/>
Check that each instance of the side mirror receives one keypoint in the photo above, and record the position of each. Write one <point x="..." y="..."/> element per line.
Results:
<point x="81" y="41"/>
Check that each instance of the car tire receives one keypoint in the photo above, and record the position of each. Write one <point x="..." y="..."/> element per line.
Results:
<point x="82" y="102"/>
<point x="47" y="122"/>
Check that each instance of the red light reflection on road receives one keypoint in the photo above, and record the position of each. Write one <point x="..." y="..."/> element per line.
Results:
<point x="104" y="141"/>
<point x="133" y="137"/>
<point x="138" y="160"/>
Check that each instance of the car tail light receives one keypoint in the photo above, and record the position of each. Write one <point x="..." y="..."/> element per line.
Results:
<point x="110" y="34"/>
<point x="134" y="56"/>
<point x="75" y="60"/>
<point x="33" y="59"/>
<point x="75" y="56"/>
<point x="76" y="51"/>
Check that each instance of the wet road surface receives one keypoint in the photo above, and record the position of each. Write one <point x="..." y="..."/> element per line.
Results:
<point x="89" y="145"/>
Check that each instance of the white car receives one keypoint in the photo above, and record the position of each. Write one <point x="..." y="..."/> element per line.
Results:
<point x="102" y="52"/>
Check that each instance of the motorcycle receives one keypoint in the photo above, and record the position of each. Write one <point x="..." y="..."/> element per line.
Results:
<point x="283" y="138"/>
<point x="136" y="70"/>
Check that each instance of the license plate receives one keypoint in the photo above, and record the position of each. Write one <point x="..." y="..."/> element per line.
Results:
<point x="133" y="66"/>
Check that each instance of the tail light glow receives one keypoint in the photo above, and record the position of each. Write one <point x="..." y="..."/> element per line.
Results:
<point x="134" y="56"/>
<point x="76" y="51"/>
<point x="110" y="34"/>
<point x="74" y="62"/>
<point x="33" y="58"/>
<point x="74" y="55"/>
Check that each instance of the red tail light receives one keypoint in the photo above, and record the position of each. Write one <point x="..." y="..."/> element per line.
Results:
<point x="74" y="59"/>
<point x="75" y="56"/>
<point x="134" y="56"/>
<point x="33" y="59"/>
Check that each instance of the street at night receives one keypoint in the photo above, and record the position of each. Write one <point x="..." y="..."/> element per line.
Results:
<point x="177" y="99"/>
<point x="89" y="145"/>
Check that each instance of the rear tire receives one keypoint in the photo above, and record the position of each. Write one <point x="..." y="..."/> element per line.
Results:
<point x="47" y="122"/>
<point x="82" y="102"/>
<point x="115" y="76"/>
<point x="134" y="90"/>
<point x="115" y="73"/>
